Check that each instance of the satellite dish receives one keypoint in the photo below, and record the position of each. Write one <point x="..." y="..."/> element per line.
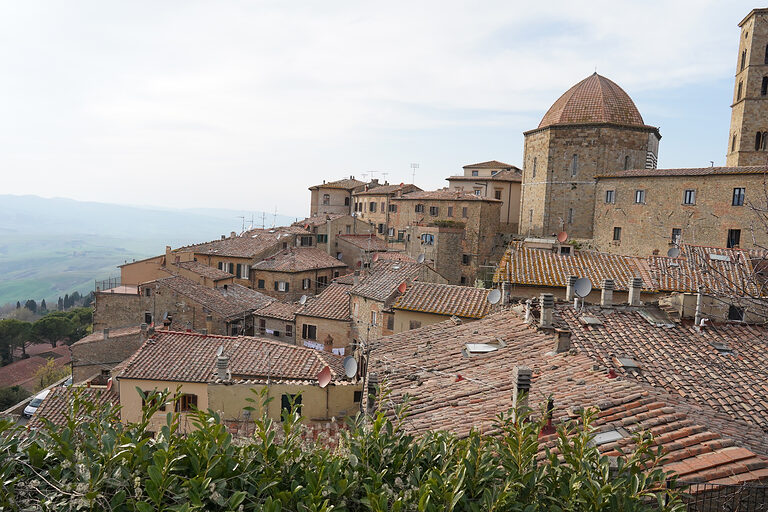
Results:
<point x="109" y="384"/>
<point x="420" y="259"/>
<point x="359" y="263"/>
<point x="403" y="286"/>
<point x="306" y="226"/>
<point x="494" y="297"/>
<point x="375" y="257"/>
<point x="220" y="351"/>
<point x="582" y="287"/>
<point x="673" y="252"/>
<point x="324" y="377"/>
<point x="350" y="366"/>
<point x="562" y="237"/>
<point x="303" y="299"/>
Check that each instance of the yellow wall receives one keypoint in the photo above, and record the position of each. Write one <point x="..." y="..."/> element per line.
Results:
<point x="131" y="401"/>
<point x="403" y="319"/>
<point x="142" y="271"/>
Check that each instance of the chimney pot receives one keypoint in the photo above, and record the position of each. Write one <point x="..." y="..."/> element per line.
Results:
<point x="562" y="340"/>
<point x="143" y="328"/>
<point x="232" y="234"/>
<point x="522" y="379"/>
<point x="547" y="306"/>
<point x="222" y="367"/>
<point x="606" y="297"/>
<point x="106" y="334"/>
<point x="223" y="237"/>
<point x="635" y="287"/>
<point x="570" y="289"/>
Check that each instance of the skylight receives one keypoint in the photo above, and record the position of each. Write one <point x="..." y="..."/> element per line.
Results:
<point x="718" y="257"/>
<point x="590" y="320"/>
<point x="628" y="362"/>
<point x="606" y="437"/>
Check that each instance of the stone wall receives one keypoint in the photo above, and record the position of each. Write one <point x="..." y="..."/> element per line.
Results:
<point x="339" y="330"/>
<point x="91" y="358"/>
<point x="294" y="279"/>
<point x="647" y="227"/>
<point x="340" y="201"/>
<point x="115" y="310"/>
<point x="275" y="325"/>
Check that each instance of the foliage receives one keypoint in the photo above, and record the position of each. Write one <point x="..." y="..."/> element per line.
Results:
<point x="11" y="396"/>
<point x="13" y="333"/>
<point x="50" y="373"/>
<point x="52" y="329"/>
<point x="96" y="463"/>
<point x="449" y="224"/>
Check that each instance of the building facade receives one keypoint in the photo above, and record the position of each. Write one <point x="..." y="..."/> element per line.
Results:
<point x="495" y="180"/>
<point x="333" y="197"/>
<point x="375" y="206"/>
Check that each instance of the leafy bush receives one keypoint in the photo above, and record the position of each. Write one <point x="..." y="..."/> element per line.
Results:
<point x="97" y="463"/>
<point x="11" y="396"/>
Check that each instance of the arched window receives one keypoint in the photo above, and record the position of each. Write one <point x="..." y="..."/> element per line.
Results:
<point x="764" y="87"/>
<point x="761" y="141"/>
<point x="738" y="91"/>
<point x="758" y="139"/>
<point x="626" y="162"/>
<point x="733" y="143"/>
<point x="743" y="60"/>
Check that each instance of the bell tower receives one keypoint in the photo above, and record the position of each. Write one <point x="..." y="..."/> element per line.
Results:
<point x="748" y="138"/>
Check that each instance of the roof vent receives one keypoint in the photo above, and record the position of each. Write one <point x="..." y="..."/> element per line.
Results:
<point x="222" y="367"/>
<point x="628" y="363"/>
<point x="590" y="320"/>
<point x="562" y="340"/>
<point x="570" y="290"/>
<point x="521" y="375"/>
<point x="547" y="303"/>
<point x="606" y="297"/>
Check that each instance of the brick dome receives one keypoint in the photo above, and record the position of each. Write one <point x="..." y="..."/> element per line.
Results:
<point x="593" y="100"/>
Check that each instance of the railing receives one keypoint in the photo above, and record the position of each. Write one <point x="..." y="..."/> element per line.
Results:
<point x="107" y="284"/>
<point x="723" y="497"/>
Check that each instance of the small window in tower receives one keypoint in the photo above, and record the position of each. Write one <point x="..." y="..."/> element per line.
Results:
<point x="626" y="162"/>
<point x="733" y="143"/>
<point x="764" y="87"/>
<point x="570" y="215"/>
<point x="743" y="59"/>
<point x="738" y="91"/>
<point x="617" y="234"/>
<point x="574" y="165"/>
<point x="530" y="216"/>
<point x="534" y="168"/>
<point x="766" y="55"/>
<point x="760" y="141"/>
<point x="689" y="196"/>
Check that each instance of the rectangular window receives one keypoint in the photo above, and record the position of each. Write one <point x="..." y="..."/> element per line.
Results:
<point x="326" y="199"/>
<point x="475" y="173"/>
<point x="640" y="196"/>
<point x="434" y="210"/>
<point x="738" y="196"/>
<point x="260" y="284"/>
<point x="419" y="208"/>
<point x="348" y="229"/>
<point x="239" y="270"/>
<point x="322" y="239"/>
<point x="734" y="238"/>
<point x="373" y="317"/>
<point x="427" y="239"/>
<point x="305" y="284"/>
<point x="610" y="196"/>
<point x="289" y="330"/>
<point x="465" y="258"/>
<point x="463" y="280"/>
<point x="372" y="207"/>
<point x="534" y="168"/>
<point x="146" y="401"/>
<point x="358" y="396"/>
<point x="393" y="208"/>
<point x="689" y="197"/>
<point x="322" y="281"/>
<point x="617" y="234"/>
<point x="383" y="207"/>
<point x="414" y="324"/>
<point x="281" y="286"/>
<point x="390" y="322"/>
<point x="570" y="215"/>
<point x="309" y="332"/>
<point x="478" y="191"/>
<point x="530" y="216"/>
<point x="148" y="318"/>
<point x="186" y="402"/>
<point x="290" y="402"/>
<point x="306" y="241"/>
<point x="574" y="165"/>
<point x="464" y="212"/>
<point x="450" y="211"/>
<point x="497" y="194"/>
<point x="262" y="326"/>
<point x="676" y="234"/>
<point x="400" y="235"/>
<point x="391" y="232"/>
<point x="380" y="228"/>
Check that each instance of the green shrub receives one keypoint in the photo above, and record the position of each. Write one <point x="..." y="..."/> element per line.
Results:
<point x="11" y="396"/>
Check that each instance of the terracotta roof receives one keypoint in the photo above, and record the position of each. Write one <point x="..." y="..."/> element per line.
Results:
<point x="235" y="301"/>
<point x="22" y="373"/>
<point x="384" y="277"/>
<point x="346" y="184"/>
<point x="320" y="219"/>
<point x="524" y="265"/>
<point x="395" y="256"/>
<point x="205" y="270"/>
<point x="681" y="359"/>
<point x="383" y="190"/>
<point x="595" y="99"/>
<point x="490" y="164"/>
<point x="450" y="391"/>
<point x="444" y="194"/>
<point x="56" y="406"/>
<point x="113" y="333"/>
<point x="299" y="259"/>
<point x="366" y="242"/>
<point x="445" y="299"/>
<point x="279" y="310"/>
<point x="247" y="245"/>
<point x="191" y="357"/>
<point x="695" y="171"/>
<point x="332" y="303"/>
<point x="509" y="175"/>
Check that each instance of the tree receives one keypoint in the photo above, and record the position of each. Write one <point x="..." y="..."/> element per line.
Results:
<point x="43" y="307"/>
<point x="52" y="329"/>
<point x="13" y="333"/>
<point x="31" y="305"/>
<point x="50" y="373"/>
<point x="11" y="396"/>
<point x="18" y="305"/>
<point x="60" y="304"/>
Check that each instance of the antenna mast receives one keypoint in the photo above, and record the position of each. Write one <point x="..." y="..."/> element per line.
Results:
<point x="414" y="166"/>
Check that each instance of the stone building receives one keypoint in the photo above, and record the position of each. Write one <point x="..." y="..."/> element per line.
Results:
<point x="327" y="227"/>
<point x="277" y="320"/>
<point x="748" y="137"/>
<point x="643" y="212"/>
<point x="375" y="206"/>
<point x="294" y="272"/>
<point x="357" y="251"/>
<point x="496" y="180"/>
<point x="334" y="196"/>
<point x="429" y="303"/>
<point x="324" y="321"/>
<point x="442" y="247"/>
<point x="478" y="217"/>
<point x="98" y="353"/>
<point x="593" y="127"/>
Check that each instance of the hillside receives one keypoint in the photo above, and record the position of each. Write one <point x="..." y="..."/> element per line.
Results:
<point x="49" y="247"/>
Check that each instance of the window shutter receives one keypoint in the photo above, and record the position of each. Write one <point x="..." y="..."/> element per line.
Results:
<point x="220" y="266"/>
<point x="276" y="288"/>
<point x="239" y="270"/>
<point x="286" y="286"/>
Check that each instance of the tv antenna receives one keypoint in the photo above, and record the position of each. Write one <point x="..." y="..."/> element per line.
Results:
<point x="414" y="166"/>
<point x="242" y="217"/>
<point x="384" y="175"/>
<point x="324" y="377"/>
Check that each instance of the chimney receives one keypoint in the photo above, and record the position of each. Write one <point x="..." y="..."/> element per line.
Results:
<point x="222" y="367"/>
<point x="635" y="285"/>
<point x="356" y="278"/>
<point x="699" y="300"/>
<point x="547" y="305"/>
<point x="562" y="340"/>
<point x="504" y="293"/>
<point x="223" y="237"/>
<point x="209" y="323"/>
<point x="528" y="315"/>
<point x="232" y="234"/>
<point x="106" y="334"/>
<point x="606" y="297"/>
<point x="521" y="375"/>
<point x="204" y="332"/>
<point x="570" y="289"/>
<point x="143" y="331"/>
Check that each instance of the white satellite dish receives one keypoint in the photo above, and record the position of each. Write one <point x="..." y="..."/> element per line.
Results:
<point x="303" y="299"/>
<point x="220" y="351"/>
<point x="350" y="366"/>
<point x="673" y="252"/>
<point x="420" y="258"/>
<point x="494" y="297"/>
<point x="582" y="287"/>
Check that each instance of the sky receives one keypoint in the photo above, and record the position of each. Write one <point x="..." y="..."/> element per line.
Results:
<point x="244" y="105"/>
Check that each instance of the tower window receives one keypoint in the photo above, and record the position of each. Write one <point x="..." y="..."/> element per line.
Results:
<point x="574" y="165"/>
<point x="689" y="197"/>
<point x="626" y="162"/>
<point x="738" y="196"/>
<point x="617" y="234"/>
<point x="738" y="91"/>
<point x="640" y="196"/>
<point x="733" y="143"/>
<point x="764" y="87"/>
<point x="760" y="141"/>
<point x="570" y="215"/>
<point x="534" y="168"/>
<point x="766" y="55"/>
<point x="530" y="216"/>
<point x="743" y="60"/>
<point x="610" y="196"/>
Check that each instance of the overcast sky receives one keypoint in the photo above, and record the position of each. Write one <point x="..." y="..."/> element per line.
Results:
<point x="244" y="105"/>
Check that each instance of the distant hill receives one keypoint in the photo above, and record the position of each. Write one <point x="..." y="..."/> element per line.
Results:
<point x="49" y="247"/>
